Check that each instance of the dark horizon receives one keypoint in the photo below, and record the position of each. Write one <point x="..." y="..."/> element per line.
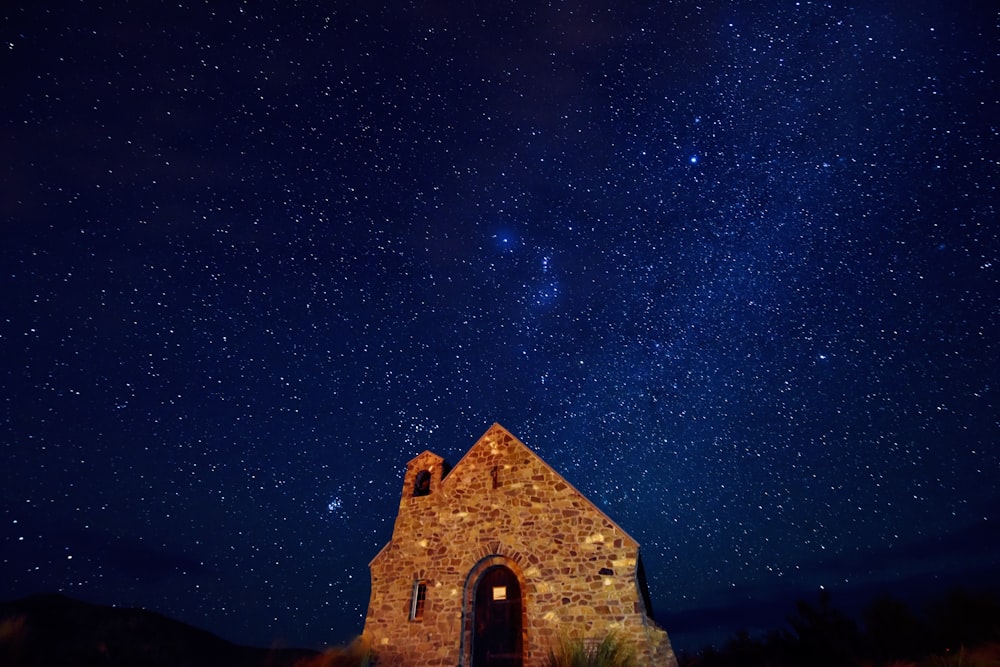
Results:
<point x="695" y="631"/>
<point x="756" y="612"/>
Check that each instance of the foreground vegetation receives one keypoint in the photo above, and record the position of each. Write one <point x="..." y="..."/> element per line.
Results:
<point x="961" y="629"/>
<point x="357" y="654"/>
<point x="612" y="651"/>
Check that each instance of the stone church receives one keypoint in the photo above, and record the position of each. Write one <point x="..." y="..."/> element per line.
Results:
<point x="494" y="561"/>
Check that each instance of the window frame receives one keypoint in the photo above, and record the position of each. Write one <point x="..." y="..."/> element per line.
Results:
<point x="418" y="600"/>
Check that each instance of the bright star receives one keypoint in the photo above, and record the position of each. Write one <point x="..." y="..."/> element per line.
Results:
<point x="506" y="240"/>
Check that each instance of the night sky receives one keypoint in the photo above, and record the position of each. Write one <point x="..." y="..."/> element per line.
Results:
<point x="733" y="269"/>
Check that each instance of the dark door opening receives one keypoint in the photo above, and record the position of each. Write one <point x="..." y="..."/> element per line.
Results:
<point x="496" y="639"/>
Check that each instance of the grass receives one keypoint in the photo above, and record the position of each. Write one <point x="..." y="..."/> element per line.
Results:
<point x="611" y="652"/>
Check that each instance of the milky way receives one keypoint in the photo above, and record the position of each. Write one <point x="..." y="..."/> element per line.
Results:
<point x="732" y="271"/>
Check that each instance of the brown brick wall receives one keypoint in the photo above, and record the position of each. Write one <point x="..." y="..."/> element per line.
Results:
<point x="576" y="567"/>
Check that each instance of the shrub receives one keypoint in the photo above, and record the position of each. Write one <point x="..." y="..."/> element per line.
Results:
<point x="613" y="651"/>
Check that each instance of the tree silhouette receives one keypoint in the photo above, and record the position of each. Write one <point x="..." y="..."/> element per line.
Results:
<point x="893" y="632"/>
<point x="960" y="625"/>
<point x="826" y="637"/>
<point x="965" y="619"/>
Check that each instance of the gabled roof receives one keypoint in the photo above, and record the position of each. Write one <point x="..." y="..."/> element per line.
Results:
<point x="497" y="429"/>
<point x="424" y="454"/>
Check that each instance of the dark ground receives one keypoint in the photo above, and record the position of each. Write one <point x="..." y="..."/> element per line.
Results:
<point x="55" y="630"/>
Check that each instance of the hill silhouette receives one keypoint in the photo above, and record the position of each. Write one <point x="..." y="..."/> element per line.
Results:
<point x="53" y="630"/>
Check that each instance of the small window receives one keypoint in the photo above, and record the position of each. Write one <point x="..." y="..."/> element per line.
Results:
<point x="422" y="485"/>
<point x="499" y="593"/>
<point x="418" y="601"/>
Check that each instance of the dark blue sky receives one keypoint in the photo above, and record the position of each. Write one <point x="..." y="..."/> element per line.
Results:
<point x="733" y="269"/>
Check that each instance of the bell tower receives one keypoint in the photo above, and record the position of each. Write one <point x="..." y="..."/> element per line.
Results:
<point x="423" y="476"/>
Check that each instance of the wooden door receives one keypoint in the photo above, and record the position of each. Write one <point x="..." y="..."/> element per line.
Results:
<point x="496" y="640"/>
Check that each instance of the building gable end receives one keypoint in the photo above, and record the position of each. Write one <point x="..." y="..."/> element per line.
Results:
<point x="497" y="442"/>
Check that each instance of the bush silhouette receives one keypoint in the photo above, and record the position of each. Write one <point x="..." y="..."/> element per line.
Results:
<point x="613" y="651"/>
<point x="961" y="629"/>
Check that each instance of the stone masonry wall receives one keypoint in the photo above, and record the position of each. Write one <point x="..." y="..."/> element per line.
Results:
<point x="503" y="505"/>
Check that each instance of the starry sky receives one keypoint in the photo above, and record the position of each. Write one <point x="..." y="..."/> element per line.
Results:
<point x="732" y="268"/>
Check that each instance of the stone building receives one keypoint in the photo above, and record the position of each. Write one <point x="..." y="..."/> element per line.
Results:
<point x="495" y="561"/>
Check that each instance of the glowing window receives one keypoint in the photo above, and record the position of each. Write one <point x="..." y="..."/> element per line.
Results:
<point x="418" y="600"/>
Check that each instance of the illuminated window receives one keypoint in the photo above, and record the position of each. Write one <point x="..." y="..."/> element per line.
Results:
<point x="422" y="486"/>
<point x="499" y="593"/>
<point x="419" y="598"/>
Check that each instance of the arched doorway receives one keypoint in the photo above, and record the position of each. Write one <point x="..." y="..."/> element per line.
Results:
<point x="496" y="638"/>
